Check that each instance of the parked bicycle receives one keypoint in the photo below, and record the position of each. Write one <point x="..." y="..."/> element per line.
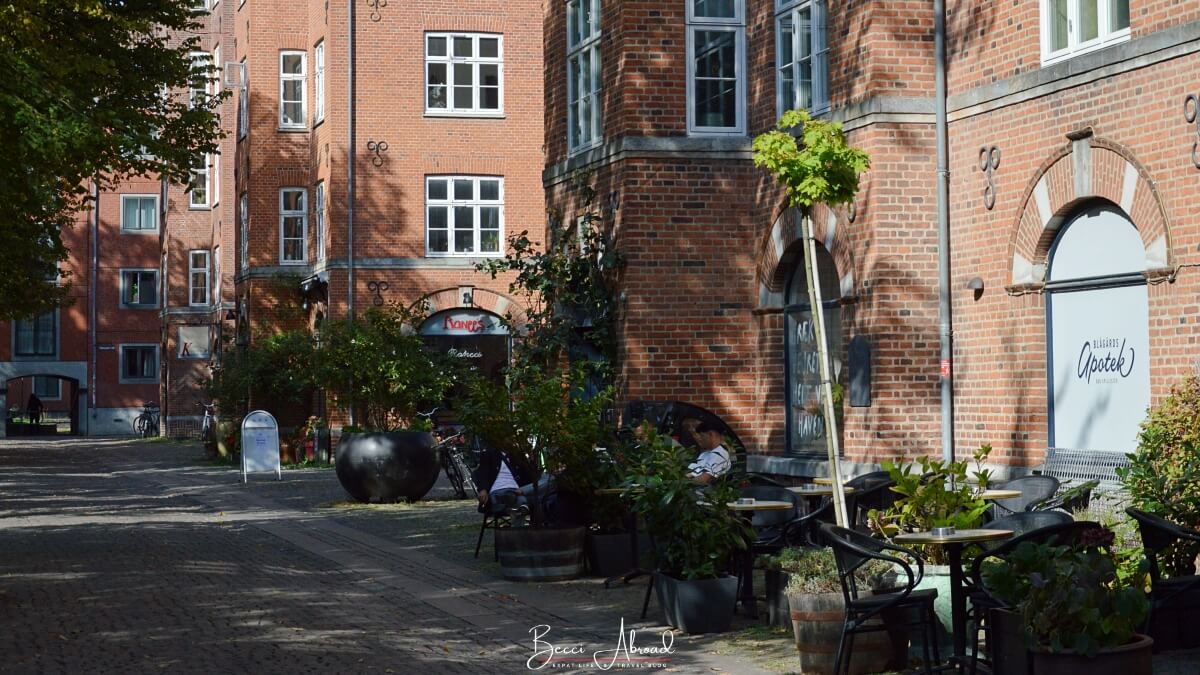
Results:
<point x="208" y="428"/>
<point x="458" y="453"/>
<point x="146" y="424"/>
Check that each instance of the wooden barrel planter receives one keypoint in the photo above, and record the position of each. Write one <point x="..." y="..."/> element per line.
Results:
<point x="817" y="624"/>
<point x="535" y="554"/>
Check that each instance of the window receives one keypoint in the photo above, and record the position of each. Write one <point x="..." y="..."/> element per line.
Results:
<point x="319" y="214"/>
<point x="139" y="288"/>
<point x="803" y="56"/>
<point x="462" y="73"/>
<point x="244" y="232"/>
<point x="139" y="213"/>
<point x="198" y="278"/>
<point x="293" y="226"/>
<point x="200" y="5"/>
<point x="215" y="181"/>
<point x="47" y="388"/>
<point x="319" y="82"/>
<point x="583" y="74"/>
<point x="199" y="83"/>
<point x="198" y="186"/>
<point x="805" y="424"/>
<point x="292" y="86"/>
<point x="216" y="277"/>
<point x="716" y="51"/>
<point x="1071" y="27"/>
<point x="139" y="363"/>
<point x="244" y="104"/>
<point x="463" y="215"/>
<point x="36" y="337"/>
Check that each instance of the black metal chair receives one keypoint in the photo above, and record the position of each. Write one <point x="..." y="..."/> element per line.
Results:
<point x="1034" y="490"/>
<point x="1071" y="499"/>
<point x="1176" y="592"/>
<point x="852" y="550"/>
<point x="876" y="495"/>
<point x="492" y="519"/>
<point x="1025" y="526"/>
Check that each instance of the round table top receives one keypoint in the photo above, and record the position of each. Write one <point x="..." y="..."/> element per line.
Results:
<point x="619" y="490"/>
<point x="959" y="537"/>
<point x="761" y="505"/>
<point x="822" y="480"/>
<point x="999" y="494"/>
<point x="818" y="490"/>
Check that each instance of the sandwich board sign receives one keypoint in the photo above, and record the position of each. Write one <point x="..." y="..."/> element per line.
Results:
<point x="260" y="445"/>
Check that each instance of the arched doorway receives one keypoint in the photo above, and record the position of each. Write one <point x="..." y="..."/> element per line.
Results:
<point x="480" y="338"/>
<point x="59" y="399"/>
<point x="1098" y="331"/>
<point x="805" y="421"/>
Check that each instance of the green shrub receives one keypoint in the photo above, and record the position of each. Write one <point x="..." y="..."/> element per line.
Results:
<point x="813" y="570"/>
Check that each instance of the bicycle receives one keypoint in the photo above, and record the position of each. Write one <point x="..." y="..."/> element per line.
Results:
<point x="453" y="452"/>
<point x="208" y="428"/>
<point x="146" y="424"/>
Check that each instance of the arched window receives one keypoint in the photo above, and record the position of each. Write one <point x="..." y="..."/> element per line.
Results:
<point x="805" y="419"/>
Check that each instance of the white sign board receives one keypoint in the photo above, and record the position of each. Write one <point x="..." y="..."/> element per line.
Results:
<point x="194" y="342"/>
<point x="260" y="445"/>
<point x="1101" y="367"/>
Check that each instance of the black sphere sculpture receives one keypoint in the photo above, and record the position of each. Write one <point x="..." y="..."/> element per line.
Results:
<point x="387" y="466"/>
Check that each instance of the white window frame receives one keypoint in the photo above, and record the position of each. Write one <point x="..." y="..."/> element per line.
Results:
<point x="475" y="61"/>
<point x="319" y="83"/>
<point x="244" y="231"/>
<point x="450" y="203"/>
<point x="124" y="285"/>
<point x="57" y="396"/>
<point x="302" y="77"/>
<point x="216" y="277"/>
<point x="301" y="213"/>
<point x="200" y="5"/>
<point x="244" y="103"/>
<point x="198" y="172"/>
<point x="194" y="92"/>
<point x="138" y="380"/>
<point x="737" y="26"/>
<point x="319" y="216"/>
<point x="214" y="171"/>
<point x="591" y="45"/>
<point x="1105" y="35"/>
<point x="789" y="10"/>
<point x="128" y="230"/>
<point x="193" y="271"/>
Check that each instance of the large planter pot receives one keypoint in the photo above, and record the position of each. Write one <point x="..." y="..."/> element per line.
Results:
<point x="817" y="625"/>
<point x="537" y="554"/>
<point x="387" y="466"/>
<point x="608" y="554"/>
<point x="704" y="606"/>
<point x="1012" y="656"/>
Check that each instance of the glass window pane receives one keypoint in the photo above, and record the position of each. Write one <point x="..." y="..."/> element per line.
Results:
<point x="293" y="227"/>
<point x="1089" y="20"/>
<point x="489" y="48"/>
<point x="147" y="218"/>
<point x="489" y="218"/>
<point x="585" y="19"/>
<point x="464" y="241"/>
<point x="489" y="189"/>
<point x="489" y="241"/>
<point x="464" y="74"/>
<point x="464" y="189"/>
<point x="293" y="90"/>
<point x="292" y="200"/>
<point x="129" y="213"/>
<point x="716" y="9"/>
<point x="489" y="98"/>
<point x="437" y="73"/>
<point x="437" y="97"/>
<point x="489" y="75"/>
<point x="464" y="98"/>
<point x="437" y="189"/>
<point x="437" y="46"/>
<point x="464" y="218"/>
<point x="292" y="64"/>
<point x="463" y="47"/>
<point x="438" y="241"/>
<point x="293" y="113"/>
<point x="1119" y="14"/>
<point x="1059" y="28"/>
<point x="438" y="218"/>
<point x="714" y="53"/>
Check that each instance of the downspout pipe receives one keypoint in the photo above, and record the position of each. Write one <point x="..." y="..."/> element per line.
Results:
<point x="351" y="156"/>
<point x="945" y="332"/>
<point x="95" y="227"/>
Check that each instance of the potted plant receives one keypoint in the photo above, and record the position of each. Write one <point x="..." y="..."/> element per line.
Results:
<point x="1072" y="609"/>
<point x="695" y="535"/>
<point x="379" y="371"/>
<point x="542" y="424"/>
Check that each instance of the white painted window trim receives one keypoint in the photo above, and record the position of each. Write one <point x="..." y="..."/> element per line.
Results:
<point x="319" y="215"/>
<point x="302" y="77"/>
<point x="194" y="92"/>
<point x="475" y="60"/>
<point x="193" y="270"/>
<point x="1105" y="38"/>
<point x="789" y="10"/>
<point x="244" y="102"/>
<point x="122" y="286"/>
<point x="319" y="83"/>
<point x="122" y="379"/>
<point x="591" y="44"/>
<point x="450" y="202"/>
<point x="215" y="298"/>
<point x="244" y="231"/>
<point x="215" y="172"/>
<point x="737" y="26"/>
<point x="201" y="170"/>
<point x="153" y="230"/>
<point x="301" y="213"/>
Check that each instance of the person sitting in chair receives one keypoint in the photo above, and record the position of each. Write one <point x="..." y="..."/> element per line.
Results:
<point x="508" y="489"/>
<point x="713" y="460"/>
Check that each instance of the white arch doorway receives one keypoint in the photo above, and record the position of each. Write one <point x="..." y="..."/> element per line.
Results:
<point x="1098" y="332"/>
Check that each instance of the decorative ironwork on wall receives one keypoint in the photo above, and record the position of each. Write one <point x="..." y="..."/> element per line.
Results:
<point x="375" y="6"/>
<point x="989" y="161"/>
<point x="377" y="287"/>
<point x="1191" y="113"/>
<point x="377" y="148"/>
<point x="852" y="210"/>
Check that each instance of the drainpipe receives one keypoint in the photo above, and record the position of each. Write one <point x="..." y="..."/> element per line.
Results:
<point x="95" y="226"/>
<point x="350" y="172"/>
<point x="945" y="333"/>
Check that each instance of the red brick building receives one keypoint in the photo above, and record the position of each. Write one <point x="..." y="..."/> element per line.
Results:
<point x="1071" y="285"/>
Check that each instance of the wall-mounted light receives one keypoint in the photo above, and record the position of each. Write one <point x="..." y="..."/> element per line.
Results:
<point x="976" y="284"/>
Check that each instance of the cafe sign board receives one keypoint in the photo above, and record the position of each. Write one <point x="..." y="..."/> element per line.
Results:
<point x="260" y="445"/>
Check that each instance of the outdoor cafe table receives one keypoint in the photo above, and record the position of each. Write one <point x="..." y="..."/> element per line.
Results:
<point x="954" y="544"/>
<point x="631" y="526"/>
<point x="993" y="495"/>
<point x="747" y="510"/>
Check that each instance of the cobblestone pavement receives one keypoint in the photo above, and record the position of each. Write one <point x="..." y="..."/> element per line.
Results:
<point x="130" y="557"/>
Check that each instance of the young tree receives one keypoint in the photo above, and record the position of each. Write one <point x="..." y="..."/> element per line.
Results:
<point x="93" y="91"/>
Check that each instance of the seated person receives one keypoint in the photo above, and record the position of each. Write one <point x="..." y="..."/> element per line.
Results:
<point x="508" y="490"/>
<point x="713" y="460"/>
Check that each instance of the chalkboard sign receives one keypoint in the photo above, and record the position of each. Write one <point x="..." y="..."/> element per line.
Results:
<point x="860" y="372"/>
<point x="260" y="445"/>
